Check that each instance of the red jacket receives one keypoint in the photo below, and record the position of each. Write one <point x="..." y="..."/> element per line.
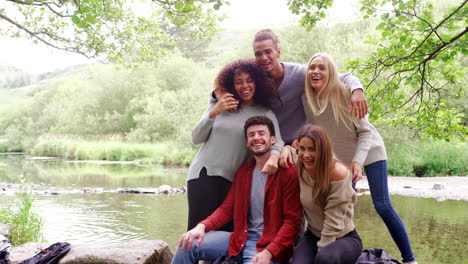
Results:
<point x="281" y="214"/>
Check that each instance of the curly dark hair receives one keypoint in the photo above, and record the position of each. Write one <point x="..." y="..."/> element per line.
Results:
<point x="263" y="84"/>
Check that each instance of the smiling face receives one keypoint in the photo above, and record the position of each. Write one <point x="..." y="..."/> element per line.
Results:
<point x="318" y="73"/>
<point x="245" y="88"/>
<point x="307" y="152"/>
<point x="259" y="139"/>
<point x="267" y="55"/>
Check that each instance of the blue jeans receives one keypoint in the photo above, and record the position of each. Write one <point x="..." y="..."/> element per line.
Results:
<point x="215" y="245"/>
<point x="377" y="178"/>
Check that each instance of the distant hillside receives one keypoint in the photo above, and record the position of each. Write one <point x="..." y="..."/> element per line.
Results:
<point x="16" y="83"/>
<point x="14" y="78"/>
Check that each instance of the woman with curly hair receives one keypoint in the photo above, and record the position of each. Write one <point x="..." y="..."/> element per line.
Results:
<point x="220" y="129"/>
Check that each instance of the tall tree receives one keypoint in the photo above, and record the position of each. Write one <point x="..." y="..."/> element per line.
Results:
<point x="418" y="64"/>
<point x="119" y="30"/>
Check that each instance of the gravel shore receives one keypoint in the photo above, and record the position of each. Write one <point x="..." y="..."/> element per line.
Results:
<point x="440" y="188"/>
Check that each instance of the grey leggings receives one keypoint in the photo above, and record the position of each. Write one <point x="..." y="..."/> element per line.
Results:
<point x="345" y="250"/>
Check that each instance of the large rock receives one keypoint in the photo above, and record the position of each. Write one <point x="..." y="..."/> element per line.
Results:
<point x="135" y="252"/>
<point x="25" y="251"/>
<point x="5" y="230"/>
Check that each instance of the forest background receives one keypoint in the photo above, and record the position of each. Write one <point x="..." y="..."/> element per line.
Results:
<point x="131" y="108"/>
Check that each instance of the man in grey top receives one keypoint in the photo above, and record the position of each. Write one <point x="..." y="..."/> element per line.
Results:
<point x="290" y="80"/>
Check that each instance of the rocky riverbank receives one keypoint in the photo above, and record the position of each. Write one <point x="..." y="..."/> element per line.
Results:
<point x="45" y="189"/>
<point x="440" y="188"/>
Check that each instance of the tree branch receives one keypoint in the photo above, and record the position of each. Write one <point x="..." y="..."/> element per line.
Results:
<point x="35" y="35"/>
<point x="436" y="27"/>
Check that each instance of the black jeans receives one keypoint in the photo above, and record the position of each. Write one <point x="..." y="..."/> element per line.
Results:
<point x="205" y="195"/>
<point x="344" y="250"/>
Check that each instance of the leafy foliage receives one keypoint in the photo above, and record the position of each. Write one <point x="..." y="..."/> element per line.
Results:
<point x="415" y="70"/>
<point x="121" y="31"/>
<point x="312" y="11"/>
<point x="140" y="105"/>
<point x="415" y="66"/>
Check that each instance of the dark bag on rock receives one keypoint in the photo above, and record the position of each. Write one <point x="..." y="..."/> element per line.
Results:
<point x="375" y="256"/>
<point x="4" y="252"/>
<point x="226" y="260"/>
<point x="50" y="255"/>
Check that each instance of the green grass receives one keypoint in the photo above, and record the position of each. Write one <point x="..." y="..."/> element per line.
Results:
<point x="20" y="214"/>
<point x="427" y="158"/>
<point x="114" y="150"/>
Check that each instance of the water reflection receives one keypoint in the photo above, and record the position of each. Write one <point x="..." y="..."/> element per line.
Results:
<point x="19" y="168"/>
<point x="438" y="230"/>
<point x="109" y="218"/>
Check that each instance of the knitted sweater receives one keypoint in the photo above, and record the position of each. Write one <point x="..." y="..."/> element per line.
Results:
<point x="336" y="219"/>
<point x="223" y="150"/>
<point x="288" y="107"/>
<point x="363" y="145"/>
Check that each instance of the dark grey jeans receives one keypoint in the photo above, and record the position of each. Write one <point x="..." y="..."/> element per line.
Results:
<point x="345" y="250"/>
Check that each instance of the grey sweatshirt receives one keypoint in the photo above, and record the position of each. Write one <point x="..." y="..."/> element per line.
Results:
<point x="224" y="150"/>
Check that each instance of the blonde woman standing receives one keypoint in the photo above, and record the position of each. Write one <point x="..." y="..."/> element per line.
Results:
<point x="355" y="142"/>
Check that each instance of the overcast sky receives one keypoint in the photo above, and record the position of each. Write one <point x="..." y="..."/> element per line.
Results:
<point x="241" y="14"/>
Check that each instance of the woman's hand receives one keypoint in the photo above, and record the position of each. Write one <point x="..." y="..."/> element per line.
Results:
<point x="285" y="157"/>
<point x="225" y="103"/>
<point x="271" y="166"/>
<point x="356" y="171"/>
<point x="197" y="232"/>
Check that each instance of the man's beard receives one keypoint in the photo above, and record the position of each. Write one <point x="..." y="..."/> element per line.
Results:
<point x="261" y="153"/>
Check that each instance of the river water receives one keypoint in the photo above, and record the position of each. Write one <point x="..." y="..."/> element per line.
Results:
<point x="438" y="230"/>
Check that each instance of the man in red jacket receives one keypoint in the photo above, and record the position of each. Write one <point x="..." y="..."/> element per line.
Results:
<point x="266" y="210"/>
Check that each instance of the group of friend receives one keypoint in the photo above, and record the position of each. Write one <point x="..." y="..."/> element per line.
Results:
<point x="284" y="142"/>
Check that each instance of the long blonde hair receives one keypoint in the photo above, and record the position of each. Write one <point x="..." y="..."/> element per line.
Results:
<point x="335" y="93"/>
<point x="323" y="163"/>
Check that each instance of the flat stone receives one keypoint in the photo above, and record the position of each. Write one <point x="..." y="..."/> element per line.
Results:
<point x="166" y="189"/>
<point x="26" y="251"/>
<point x="134" y="252"/>
<point x="438" y="186"/>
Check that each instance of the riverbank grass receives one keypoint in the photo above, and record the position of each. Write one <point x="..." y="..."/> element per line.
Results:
<point x="81" y="149"/>
<point x="427" y="158"/>
<point x="422" y="158"/>
<point x="20" y="214"/>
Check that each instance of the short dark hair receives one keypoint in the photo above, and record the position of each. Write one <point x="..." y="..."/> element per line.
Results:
<point x="263" y="84"/>
<point x="266" y="34"/>
<point x="259" y="120"/>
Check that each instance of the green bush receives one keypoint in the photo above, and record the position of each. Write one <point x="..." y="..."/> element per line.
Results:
<point x="424" y="158"/>
<point x="27" y="224"/>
